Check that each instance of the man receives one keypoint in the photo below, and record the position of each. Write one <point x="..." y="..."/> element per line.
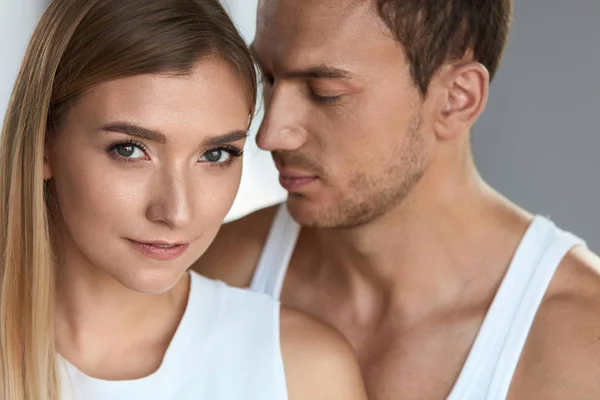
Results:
<point x="444" y="288"/>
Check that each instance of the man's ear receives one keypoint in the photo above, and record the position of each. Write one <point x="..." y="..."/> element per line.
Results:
<point x="463" y="92"/>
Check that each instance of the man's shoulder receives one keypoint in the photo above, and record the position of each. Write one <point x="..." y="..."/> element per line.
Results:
<point x="233" y="255"/>
<point x="573" y="299"/>
<point x="562" y="356"/>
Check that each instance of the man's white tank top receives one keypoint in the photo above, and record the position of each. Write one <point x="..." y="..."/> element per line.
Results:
<point x="492" y="361"/>
<point x="226" y="347"/>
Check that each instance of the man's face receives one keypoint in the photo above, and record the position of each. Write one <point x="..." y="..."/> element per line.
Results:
<point x="344" y="120"/>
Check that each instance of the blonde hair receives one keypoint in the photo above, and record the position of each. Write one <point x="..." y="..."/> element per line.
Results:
<point x="76" y="45"/>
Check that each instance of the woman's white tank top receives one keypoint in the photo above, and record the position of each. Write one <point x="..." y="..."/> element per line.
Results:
<point x="227" y="347"/>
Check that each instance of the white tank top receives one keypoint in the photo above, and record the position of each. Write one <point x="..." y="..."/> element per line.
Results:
<point x="226" y="348"/>
<point x="492" y="361"/>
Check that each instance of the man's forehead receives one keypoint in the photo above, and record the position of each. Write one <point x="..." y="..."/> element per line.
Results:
<point x="293" y="9"/>
<point x="313" y="30"/>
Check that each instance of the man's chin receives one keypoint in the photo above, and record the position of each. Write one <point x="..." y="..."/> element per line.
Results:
<point x="313" y="213"/>
<point x="323" y="214"/>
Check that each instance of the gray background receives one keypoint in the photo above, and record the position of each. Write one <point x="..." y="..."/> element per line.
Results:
<point x="17" y="20"/>
<point x="537" y="141"/>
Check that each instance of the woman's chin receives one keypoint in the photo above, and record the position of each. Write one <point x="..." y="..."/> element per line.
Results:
<point x="152" y="282"/>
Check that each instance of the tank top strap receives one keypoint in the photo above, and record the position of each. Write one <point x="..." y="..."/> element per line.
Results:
<point x="275" y="257"/>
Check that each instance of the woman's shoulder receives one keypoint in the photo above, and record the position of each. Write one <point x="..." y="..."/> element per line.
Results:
<point x="319" y="362"/>
<point x="255" y="330"/>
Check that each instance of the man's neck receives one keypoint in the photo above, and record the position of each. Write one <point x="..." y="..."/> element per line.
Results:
<point x="442" y="244"/>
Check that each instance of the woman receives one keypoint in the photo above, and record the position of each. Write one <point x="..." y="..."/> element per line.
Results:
<point x="121" y="155"/>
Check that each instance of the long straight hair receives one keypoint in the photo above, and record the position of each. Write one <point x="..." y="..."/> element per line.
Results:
<point x="76" y="45"/>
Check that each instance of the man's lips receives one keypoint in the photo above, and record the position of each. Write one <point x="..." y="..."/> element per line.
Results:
<point x="292" y="184"/>
<point x="292" y="180"/>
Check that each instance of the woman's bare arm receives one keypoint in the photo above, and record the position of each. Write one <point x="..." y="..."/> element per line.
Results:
<point x="319" y="362"/>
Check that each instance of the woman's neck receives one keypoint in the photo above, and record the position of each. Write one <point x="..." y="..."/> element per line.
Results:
<point x="107" y="330"/>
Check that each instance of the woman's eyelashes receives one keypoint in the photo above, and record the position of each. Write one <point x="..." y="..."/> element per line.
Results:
<point x="133" y="150"/>
<point x="129" y="150"/>
<point x="221" y="156"/>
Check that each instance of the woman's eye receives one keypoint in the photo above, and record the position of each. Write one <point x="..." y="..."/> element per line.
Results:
<point x="216" y="156"/>
<point x="128" y="151"/>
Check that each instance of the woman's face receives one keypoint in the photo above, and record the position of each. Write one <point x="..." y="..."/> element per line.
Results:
<point x="146" y="169"/>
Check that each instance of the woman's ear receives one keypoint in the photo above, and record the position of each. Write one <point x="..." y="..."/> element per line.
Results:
<point x="47" y="168"/>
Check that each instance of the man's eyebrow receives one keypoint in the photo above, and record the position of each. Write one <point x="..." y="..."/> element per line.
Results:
<point x="321" y="71"/>
<point x="135" y="130"/>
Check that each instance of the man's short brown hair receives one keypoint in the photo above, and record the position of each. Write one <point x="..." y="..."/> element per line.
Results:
<point x="434" y="32"/>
